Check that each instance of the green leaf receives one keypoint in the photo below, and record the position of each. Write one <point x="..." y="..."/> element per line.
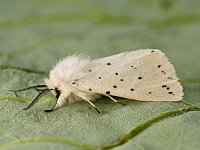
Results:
<point x="34" y="35"/>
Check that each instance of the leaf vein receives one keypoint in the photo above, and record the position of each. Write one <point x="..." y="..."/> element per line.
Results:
<point x="140" y="128"/>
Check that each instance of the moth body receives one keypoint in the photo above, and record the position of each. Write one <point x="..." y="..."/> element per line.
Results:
<point x="143" y="75"/>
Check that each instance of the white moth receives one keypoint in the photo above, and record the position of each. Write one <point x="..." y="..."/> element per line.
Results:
<point x="143" y="75"/>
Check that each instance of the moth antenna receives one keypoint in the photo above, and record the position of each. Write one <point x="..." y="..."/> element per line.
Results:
<point x="29" y="88"/>
<point x="45" y="91"/>
<point x="39" y="90"/>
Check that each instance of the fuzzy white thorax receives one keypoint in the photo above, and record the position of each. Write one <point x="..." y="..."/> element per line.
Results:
<point x="64" y="73"/>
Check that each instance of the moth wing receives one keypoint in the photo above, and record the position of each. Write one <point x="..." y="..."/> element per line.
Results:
<point x="145" y="75"/>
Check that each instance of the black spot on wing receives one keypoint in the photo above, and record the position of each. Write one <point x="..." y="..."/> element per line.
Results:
<point x="134" y="67"/>
<point x="170" y="78"/>
<point x="108" y="64"/>
<point x="164" y="86"/>
<point x="108" y="92"/>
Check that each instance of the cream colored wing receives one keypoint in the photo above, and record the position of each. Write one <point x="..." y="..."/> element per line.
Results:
<point x="145" y="75"/>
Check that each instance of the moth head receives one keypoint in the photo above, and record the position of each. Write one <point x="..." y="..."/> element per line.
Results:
<point x="54" y="84"/>
<point x="57" y="83"/>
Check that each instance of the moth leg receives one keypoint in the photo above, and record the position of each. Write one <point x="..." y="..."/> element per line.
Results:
<point x="50" y="110"/>
<point x="54" y="107"/>
<point x="58" y="105"/>
<point x="88" y="98"/>
<point x="116" y="100"/>
<point x="59" y="102"/>
<point x="93" y="106"/>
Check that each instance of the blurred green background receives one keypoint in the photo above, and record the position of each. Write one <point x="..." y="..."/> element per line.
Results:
<point x="35" y="34"/>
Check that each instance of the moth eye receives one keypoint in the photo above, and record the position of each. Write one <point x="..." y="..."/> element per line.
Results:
<point x="56" y="90"/>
